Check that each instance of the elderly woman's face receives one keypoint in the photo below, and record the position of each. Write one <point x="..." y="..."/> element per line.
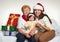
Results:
<point x="37" y="12"/>
<point x="26" y="11"/>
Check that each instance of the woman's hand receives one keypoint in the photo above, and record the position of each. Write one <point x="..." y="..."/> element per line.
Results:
<point x="47" y="28"/>
<point x="38" y="25"/>
<point x="43" y="26"/>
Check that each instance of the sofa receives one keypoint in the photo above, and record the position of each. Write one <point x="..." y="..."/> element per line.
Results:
<point x="13" y="38"/>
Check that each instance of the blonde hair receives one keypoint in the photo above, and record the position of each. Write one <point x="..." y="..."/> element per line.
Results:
<point x="25" y="6"/>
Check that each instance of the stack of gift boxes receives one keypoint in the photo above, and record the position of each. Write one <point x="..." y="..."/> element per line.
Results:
<point x="10" y="29"/>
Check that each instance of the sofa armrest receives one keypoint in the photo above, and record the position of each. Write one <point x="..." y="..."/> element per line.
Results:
<point x="56" y="27"/>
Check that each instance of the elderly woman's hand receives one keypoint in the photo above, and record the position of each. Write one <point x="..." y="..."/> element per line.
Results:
<point x="27" y="35"/>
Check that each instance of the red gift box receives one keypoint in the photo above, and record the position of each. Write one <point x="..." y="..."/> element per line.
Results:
<point x="13" y="19"/>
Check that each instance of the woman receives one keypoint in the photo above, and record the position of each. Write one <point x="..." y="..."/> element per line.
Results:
<point x="47" y="32"/>
<point x="22" y="35"/>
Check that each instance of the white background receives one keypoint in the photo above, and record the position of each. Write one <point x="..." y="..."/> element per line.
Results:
<point x="52" y="8"/>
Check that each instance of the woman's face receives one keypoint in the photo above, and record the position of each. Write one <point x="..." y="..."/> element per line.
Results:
<point x="26" y="11"/>
<point x="31" y="18"/>
<point x="37" y="12"/>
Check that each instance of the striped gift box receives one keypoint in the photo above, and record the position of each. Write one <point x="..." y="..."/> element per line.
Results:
<point x="9" y="33"/>
<point x="8" y="28"/>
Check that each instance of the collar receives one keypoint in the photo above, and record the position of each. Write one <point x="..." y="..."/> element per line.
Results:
<point x="25" y="17"/>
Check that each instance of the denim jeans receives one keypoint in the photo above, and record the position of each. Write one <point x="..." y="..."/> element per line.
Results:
<point x="22" y="38"/>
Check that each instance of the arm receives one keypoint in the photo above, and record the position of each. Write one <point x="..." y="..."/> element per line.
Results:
<point x="20" y="28"/>
<point x="33" y="31"/>
<point x="23" y="33"/>
<point x="47" y="23"/>
<point x="43" y="26"/>
<point x="20" y="31"/>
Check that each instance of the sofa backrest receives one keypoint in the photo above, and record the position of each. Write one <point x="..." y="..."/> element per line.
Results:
<point x="56" y="27"/>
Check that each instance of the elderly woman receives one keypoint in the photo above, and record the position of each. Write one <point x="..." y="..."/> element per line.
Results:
<point x="22" y="35"/>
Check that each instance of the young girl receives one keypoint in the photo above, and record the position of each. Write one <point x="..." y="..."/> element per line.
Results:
<point x="30" y="24"/>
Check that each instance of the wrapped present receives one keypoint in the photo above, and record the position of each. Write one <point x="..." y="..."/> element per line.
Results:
<point x="8" y="28"/>
<point x="13" y="19"/>
<point x="9" y="33"/>
<point x="4" y="28"/>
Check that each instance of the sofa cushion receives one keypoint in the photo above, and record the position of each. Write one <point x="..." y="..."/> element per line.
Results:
<point x="9" y="39"/>
<point x="55" y="39"/>
<point x="56" y="27"/>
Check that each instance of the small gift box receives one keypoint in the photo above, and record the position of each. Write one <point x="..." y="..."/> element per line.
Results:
<point x="8" y="28"/>
<point x="12" y="28"/>
<point x="13" y="19"/>
<point x="9" y="33"/>
<point x="4" y="28"/>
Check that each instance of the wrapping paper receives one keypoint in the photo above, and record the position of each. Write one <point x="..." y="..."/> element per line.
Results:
<point x="8" y="28"/>
<point x="13" y="19"/>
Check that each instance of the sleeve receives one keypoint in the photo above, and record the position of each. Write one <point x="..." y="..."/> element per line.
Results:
<point x="47" y="23"/>
<point x="40" y="22"/>
<point x="20" y="25"/>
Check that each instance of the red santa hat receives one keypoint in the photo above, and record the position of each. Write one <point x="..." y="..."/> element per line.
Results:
<point x="39" y="6"/>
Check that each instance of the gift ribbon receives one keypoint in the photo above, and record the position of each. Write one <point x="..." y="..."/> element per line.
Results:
<point x="8" y="28"/>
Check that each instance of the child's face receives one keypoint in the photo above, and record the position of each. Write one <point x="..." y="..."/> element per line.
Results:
<point x="31" y="18"/>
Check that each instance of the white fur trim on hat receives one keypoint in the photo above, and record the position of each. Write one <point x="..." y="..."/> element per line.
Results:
<point x="31" y="14"/>
<point x="39" y="6"/>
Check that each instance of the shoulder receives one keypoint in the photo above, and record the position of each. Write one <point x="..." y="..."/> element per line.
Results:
<point x="45" y="18"/>
<point x="21" y="19"/>
<point x="27" y="22"/>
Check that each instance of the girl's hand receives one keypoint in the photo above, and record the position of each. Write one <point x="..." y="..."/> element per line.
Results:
<point x="47" y="28"/>
<point x="27" y="27"/>
<point x="33" y="31"/>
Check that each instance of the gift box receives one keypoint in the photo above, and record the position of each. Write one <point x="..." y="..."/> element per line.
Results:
<point x="13" y="19"/>
<point x="8" y="28"/>
<point x="4" y="28"/>
<point x="12" y="28"/>
<point x="9" y="33"/>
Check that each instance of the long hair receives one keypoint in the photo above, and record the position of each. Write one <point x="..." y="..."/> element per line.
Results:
<point x="42" y="15"/>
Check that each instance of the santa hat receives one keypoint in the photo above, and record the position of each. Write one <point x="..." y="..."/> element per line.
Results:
<point x="39" y="6"/>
